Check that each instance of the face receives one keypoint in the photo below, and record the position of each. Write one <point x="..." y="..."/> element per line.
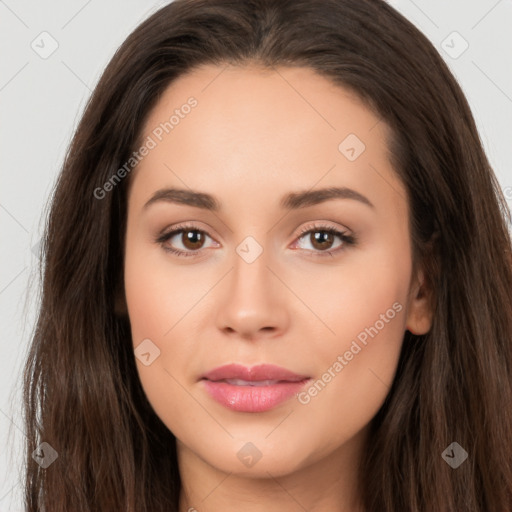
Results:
<point x="297" y="254"/>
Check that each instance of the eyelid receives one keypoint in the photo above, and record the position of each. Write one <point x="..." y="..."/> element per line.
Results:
<point x="321" y="225"/>
<point x="344" y="234"/>
<point x="347" y="237"/>
<point x="174" y="230"/>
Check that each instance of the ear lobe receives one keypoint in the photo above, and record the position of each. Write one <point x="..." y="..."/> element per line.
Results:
<point x="420" y="313"/>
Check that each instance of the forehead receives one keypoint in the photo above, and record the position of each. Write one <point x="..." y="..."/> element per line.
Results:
<point x="258" y="102"/>
<point x="262" y="130"/>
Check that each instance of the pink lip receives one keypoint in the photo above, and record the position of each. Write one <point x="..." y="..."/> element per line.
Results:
<point x="252" y="398"/>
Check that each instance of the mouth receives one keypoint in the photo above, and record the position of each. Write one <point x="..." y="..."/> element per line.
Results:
<point x="255" y="389"/>
<point x="241" y="382"/>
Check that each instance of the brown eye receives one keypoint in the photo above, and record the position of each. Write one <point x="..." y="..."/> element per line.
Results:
<point x="192" y="239"/>
<point x="184" y="241"/>
<point x="321" y="239"/>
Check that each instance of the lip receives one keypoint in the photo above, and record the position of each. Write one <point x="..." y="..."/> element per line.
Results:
<point x="221" y="385"/>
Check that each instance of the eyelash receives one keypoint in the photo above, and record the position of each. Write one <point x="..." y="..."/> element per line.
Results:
<point x="348" y="240"/>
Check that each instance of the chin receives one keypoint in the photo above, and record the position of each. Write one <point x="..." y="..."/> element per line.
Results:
<point x="258" y="458"/>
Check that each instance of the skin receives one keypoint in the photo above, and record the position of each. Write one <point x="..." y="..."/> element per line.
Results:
<point x="255" y="136"/>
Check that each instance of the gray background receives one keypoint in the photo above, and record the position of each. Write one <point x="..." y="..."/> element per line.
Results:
<point x="42" y="97"/>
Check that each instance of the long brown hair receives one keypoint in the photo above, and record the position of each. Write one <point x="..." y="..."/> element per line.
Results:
<point x="82" y="394"/>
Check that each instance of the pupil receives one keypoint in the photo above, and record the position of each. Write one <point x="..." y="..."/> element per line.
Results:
<point x="191" y="235"/>
<point x="322" y="236"/>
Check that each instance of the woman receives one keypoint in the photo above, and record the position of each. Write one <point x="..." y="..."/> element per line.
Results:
<point x="252" y="363"/>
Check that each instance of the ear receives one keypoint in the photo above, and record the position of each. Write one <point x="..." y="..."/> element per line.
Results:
<point x="419" y="311"/>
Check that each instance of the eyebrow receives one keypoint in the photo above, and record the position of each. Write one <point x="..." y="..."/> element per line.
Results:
<point x="292" y="201"/>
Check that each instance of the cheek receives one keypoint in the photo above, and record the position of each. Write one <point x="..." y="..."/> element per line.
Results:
<point x="355" y="378"/>
<point x="365" y="310"/>
<point x="158" y="294"/>
<point x="354" y="295"/>
<point x="162" y="299"/>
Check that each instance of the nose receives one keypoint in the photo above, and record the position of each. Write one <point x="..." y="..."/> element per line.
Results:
<point x="252" y="304"/>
